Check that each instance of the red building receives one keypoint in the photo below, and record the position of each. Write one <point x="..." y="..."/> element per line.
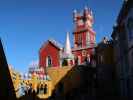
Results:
<point x="84" y="35"/>
<point x="50" y="54"/>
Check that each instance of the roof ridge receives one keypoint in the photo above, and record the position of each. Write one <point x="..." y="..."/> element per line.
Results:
<point x="57" y="44"/>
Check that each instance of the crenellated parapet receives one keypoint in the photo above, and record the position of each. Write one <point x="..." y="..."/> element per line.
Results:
<point x="85" y="18"/>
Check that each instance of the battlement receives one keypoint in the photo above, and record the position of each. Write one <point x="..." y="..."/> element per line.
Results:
<point x="85" y="18"/>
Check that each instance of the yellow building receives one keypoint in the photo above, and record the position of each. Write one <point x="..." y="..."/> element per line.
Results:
<point x="16" y="78"/>
<point x="57" y="75"/>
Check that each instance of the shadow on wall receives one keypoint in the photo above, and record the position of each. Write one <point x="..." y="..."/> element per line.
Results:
<point x="74" y="83"/>
<point x="82" y="83"/>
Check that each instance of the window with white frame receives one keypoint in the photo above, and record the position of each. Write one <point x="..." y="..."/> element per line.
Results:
<point x="48" y="61"/>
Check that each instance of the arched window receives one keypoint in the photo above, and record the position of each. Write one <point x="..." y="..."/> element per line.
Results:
<point x="48" y="61"/>
<point x="45" y="88"/>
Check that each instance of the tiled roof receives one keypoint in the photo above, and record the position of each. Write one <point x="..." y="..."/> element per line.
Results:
<point x="55" y="43"/>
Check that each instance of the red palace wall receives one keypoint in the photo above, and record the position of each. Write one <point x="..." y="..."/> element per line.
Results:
<point x="49" y="50"/>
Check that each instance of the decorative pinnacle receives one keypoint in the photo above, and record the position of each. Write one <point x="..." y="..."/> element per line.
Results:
<point x="74" y="14"/>
<point x="86" y="8"/>
<point x="74" y="11"/>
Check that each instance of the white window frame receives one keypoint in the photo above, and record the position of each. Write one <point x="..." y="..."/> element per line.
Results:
<point x="47" y="65"/>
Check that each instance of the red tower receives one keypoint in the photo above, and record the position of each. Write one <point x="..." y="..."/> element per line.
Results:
<point x="84" y="35"/>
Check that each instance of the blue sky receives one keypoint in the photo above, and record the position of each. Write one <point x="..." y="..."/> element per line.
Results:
<point x="26" y="24"/>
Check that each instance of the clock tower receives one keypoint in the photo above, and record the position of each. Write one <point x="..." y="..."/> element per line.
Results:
<point x="84" y="35"/>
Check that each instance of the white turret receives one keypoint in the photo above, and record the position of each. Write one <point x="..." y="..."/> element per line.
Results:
<point x="68" y="46"/>
<point x="67" y="53"/>
<point x="67" y="49"/>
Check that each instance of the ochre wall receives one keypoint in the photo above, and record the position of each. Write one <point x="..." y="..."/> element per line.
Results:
<point x="69" y="76"/>
<point x="56" y="74"/>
